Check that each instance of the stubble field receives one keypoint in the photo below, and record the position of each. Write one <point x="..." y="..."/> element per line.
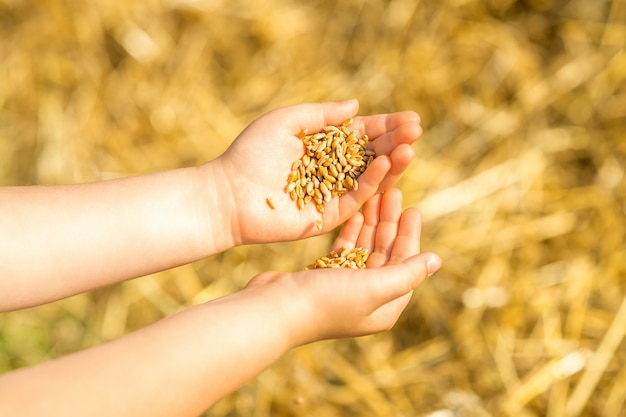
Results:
<point x="519" y="176"/>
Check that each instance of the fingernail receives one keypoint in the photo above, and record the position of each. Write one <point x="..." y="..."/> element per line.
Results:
<point x="433" y="263"/>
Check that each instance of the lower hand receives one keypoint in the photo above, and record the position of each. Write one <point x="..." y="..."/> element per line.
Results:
<point x="335" y="303"/>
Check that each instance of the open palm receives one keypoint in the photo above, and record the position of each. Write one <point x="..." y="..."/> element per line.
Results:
<point x="256" y="166"/>
<point x="344" y="302"/>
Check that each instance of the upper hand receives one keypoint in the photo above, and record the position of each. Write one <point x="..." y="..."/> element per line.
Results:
<point x="255" y="167"/>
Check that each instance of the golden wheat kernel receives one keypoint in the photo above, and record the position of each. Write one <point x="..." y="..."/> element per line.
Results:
<point x="300" y="203"/>
<point x="332" y="169"/>
<point x="355" y="185"/>
<point x="270" y="203"/>
<point x="320" y="263"/>
<point x="319" y="208"/>
<point x="307" y="199"/>
<point x="354" y="162"/>
<point x="309" y="188"/>
<point x="323" y="188"/>
<point x="319" y="224"/>
<point x="299" y="191"/>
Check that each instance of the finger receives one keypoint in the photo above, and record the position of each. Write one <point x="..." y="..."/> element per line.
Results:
<point x="407" y="242"/>
<point x="406" y="133"/>
<point x="387" y="227"/>
<point x="349" y="232"/>
<point x="401" y="157"/>
<point x="314" y="116"/>
<point x="368" y="185"/>
<point x="367" y="236"/>
<point x="394" y="281"/>
<point x="377" y="125"/>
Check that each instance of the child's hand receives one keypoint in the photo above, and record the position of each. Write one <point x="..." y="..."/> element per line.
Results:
<point x="333" y="303"/>
<point x="257" y="164"/>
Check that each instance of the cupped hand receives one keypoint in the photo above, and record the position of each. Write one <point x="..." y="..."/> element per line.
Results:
<point x="256" y="166"/>
<point x="336" y="303"/>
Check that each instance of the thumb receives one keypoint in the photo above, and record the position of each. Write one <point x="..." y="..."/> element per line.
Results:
<point x="393" y="281"/>
<point x="314" y="116"/>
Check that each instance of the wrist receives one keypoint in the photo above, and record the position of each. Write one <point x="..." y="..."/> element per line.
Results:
<point x="215" y="208"/>
<point x="283" y="294"/>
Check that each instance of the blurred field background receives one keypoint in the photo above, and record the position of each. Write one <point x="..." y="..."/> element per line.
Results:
<point x="519" y="176"/>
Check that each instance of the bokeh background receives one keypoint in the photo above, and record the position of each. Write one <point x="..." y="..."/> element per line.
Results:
<point x="519" y="176"/>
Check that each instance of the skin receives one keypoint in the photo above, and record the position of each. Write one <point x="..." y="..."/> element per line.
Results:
<point x="68" y="239"/>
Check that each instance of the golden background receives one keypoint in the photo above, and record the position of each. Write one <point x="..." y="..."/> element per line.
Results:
<point x="519" y="176"/>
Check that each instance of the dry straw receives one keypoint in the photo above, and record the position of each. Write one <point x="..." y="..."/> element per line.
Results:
<point x="520" y="175"/>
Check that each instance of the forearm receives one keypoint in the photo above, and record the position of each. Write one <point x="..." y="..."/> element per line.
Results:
<point x="56" y="241"/>
<point x="179" y="366"/>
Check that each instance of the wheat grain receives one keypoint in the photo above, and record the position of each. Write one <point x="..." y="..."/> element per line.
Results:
<point x="333" y="160"/>
<point x="343" y="258"/>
